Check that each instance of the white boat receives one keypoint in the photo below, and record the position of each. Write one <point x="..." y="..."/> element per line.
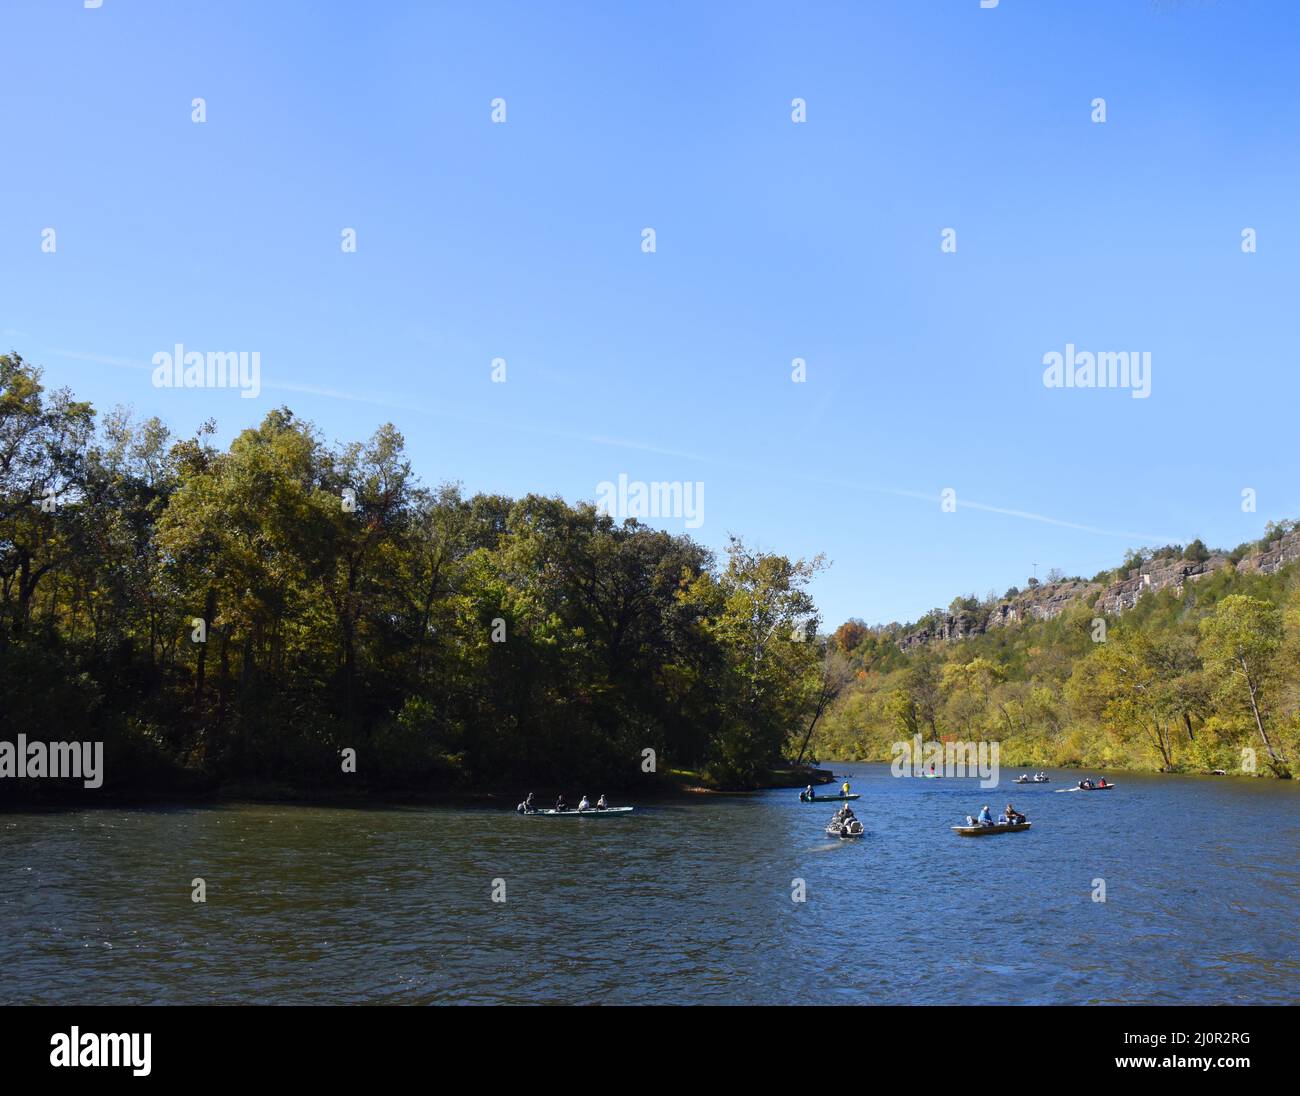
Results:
<point x="852" y="828"/>
<point x="592" y="813"/>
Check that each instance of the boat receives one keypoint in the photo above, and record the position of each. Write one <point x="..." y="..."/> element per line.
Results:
<point x="1032" y="780"/>
<point x="852" y="828"/>
<point x="803" y="798"/>
<point x="593" y="813"/>
<point x="1095" y="788"/>
<point x="997" y="827"/>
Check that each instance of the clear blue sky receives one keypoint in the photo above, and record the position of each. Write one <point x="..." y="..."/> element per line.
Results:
<point x="775" y="241"/>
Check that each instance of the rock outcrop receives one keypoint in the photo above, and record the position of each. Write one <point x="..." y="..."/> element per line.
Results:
<point x="1277" y="555"/>
<point x="1155" y="575"/>
<point x="1049" y="600"/>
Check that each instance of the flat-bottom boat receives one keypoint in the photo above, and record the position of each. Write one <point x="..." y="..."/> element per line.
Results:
<point x="997" y="827"/>
<point x="804" y="798"/>
<point x="1094" y="788"/>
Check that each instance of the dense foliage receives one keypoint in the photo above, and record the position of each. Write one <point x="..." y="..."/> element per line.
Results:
<point x="1202" y="680"/>
<point x="252" y="614"/>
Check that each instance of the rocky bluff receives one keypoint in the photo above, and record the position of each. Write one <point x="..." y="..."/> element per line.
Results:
<point x="1049" y="600"/>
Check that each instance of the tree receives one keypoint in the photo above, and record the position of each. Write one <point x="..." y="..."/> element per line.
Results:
<point x="1239" y="643"/>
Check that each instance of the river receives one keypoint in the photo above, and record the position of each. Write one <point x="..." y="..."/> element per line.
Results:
<point x="683" y="901"/>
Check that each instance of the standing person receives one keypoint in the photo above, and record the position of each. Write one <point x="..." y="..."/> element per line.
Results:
<point x="844" y="788"/>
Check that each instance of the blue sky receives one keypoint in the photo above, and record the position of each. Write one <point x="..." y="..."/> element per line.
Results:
<point x="774" y="241"/>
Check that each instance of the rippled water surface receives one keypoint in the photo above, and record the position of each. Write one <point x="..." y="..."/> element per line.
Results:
<point x="680" y="902"/>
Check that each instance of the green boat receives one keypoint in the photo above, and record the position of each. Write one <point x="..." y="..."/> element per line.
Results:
<point x="804" y="798"/>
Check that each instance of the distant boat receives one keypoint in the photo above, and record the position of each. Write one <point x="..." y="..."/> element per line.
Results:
<point x="1094" y="788"/>
<point x="815" y="798"/>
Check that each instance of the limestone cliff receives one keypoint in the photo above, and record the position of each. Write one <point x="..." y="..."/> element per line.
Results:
<point x="1049" y="600"/>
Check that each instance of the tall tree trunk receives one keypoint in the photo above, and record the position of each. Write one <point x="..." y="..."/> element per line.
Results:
<point x="1253" y="688"/>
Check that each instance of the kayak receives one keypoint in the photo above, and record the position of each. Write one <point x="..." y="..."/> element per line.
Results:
<point x="593" y="813"/>
<point x="1094" y="788"/>
<point x="803" y="798"/>
<point x="981" y="831"/>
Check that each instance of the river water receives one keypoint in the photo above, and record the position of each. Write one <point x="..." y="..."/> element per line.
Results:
<point x="679" y="902"/>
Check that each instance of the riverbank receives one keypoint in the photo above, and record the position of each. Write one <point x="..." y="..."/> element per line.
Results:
<point x="679" y="784"/>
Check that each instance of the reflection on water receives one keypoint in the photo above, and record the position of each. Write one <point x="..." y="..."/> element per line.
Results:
<point x="681" y="902"/>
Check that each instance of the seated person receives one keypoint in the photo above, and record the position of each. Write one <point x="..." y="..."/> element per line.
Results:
<point x="601" y="805"/>
<point x="986" y="816"/>
<point x="584" y="804"/>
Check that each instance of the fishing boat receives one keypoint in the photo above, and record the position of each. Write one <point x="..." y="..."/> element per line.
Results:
<point x="852" y="828"/>
<point x="805" y="798"/>
<point x="1032" y="780"/>
<point x="1094" y="788"/>
<point x="997" y="827"/>
<point x="593" y="813"/>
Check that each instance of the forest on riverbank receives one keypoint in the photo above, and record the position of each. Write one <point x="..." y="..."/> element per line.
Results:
<point x="283" y="609"/>
<point x="291" y="614"/>
<point x="1201" y="677"/>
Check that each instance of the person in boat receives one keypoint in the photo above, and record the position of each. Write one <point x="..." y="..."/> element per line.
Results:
<point x="1101" y="782"/>
<point x="1010" y="816"/>
<point x="526" y="807"/>
<point x="844" y="788"/>
<point x="560" y="804"/>
<point x="584" y="804"/>
<point x="808" y="793"/>
<point x="986" y="817"/>
<point x="601" y="805"/>
<point x="1085" y="784"/>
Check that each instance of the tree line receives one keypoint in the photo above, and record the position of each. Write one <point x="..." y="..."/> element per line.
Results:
<point x="1201" y="680"/>
<point x="254" y="613"/>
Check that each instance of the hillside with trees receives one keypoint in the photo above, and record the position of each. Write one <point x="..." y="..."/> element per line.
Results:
<point x="1196" y="677"/>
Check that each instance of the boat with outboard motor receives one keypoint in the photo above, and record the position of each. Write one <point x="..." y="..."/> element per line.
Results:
<point x="1089" y="786"/>
<point x="849" y="828"/>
